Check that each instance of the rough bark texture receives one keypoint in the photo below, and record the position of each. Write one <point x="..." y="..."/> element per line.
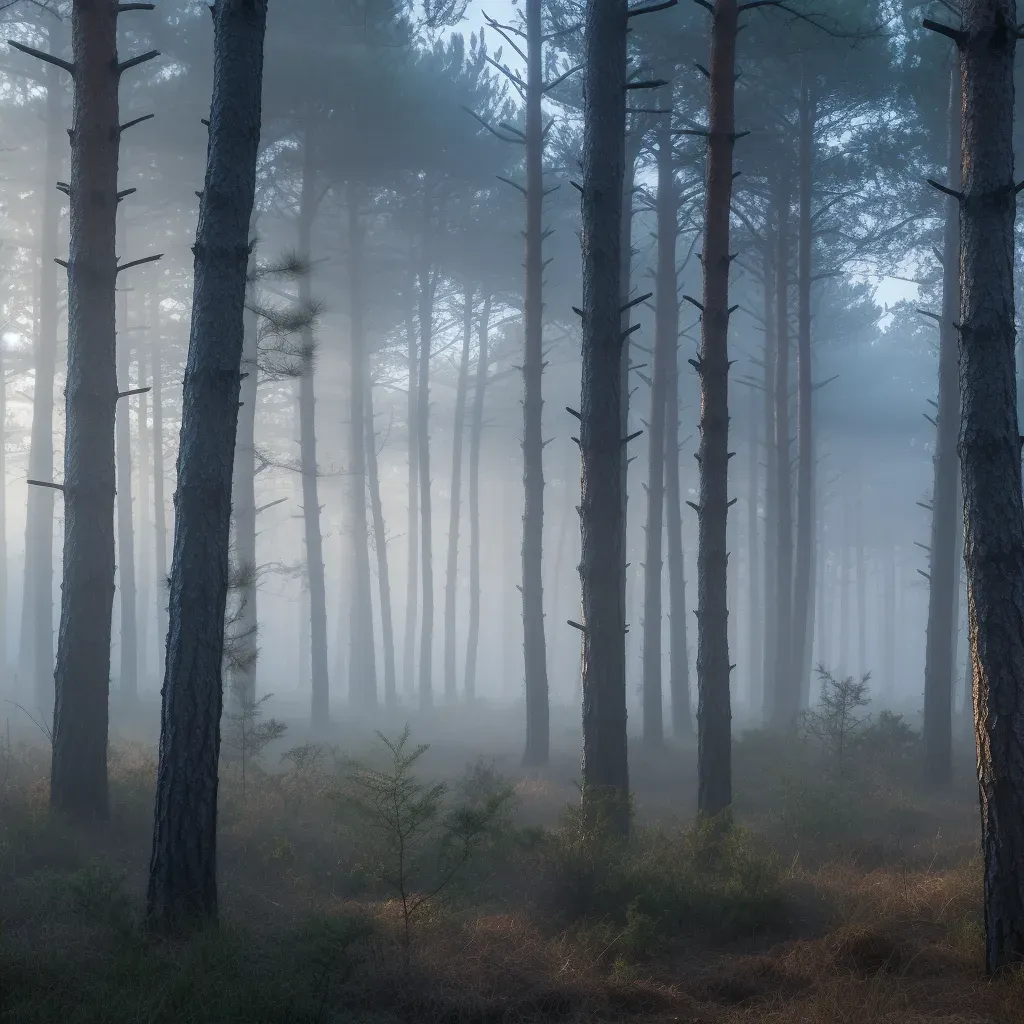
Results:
<point x="363" y="661"/>
<point x="412" y="570"/>
<point x="451" y="577"/>
<point x="944" y="570"/>
<point x="427" y="284"/>
<point x="666" y="329"/>
<point x="380" y="543"/>
<point x="990" y="451"/>
<point x="714" y="712"/>
<point x="476" y="428"/>
<point x="78" y="784"/>
<point x="784" y="703"/>
<point x="37" y="604"/>
<point x="182" y="875"/>
<point x="128" y="597"/>
<point x="534" y="642"/>
<point x="159" y="503"/>
<point x="309" y="471"/>
<point x="605" y="766"/>
<point x="803" y="569"/>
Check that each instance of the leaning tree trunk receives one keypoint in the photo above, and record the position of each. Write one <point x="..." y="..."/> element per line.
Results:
<point x="125" y="526"/>
<point x="944" y="569"/>
<point x="476" y="428"/>
<point x="451" y="577"/>
<point x="413" y="490"/>
<point x="769" y="625"/>
<point x="159" y="504"/>
<point x="714" y="712"/>
<point x="605" y="766"/>
<point x="182" y="873"/>
<point x="784" y="700"/>
<point x="37" y="603"/>
<point x="78" y="778"/>
<point x="666" y="331"/>
<point x="803" y="578"/>
<point x="534" y="642"/>
<point x="363" y="659"/>
<point x="427" y="284"/>
<point x="990" y="450"/>
<point x="309" y="472"/>
<point x="380" y="543"/>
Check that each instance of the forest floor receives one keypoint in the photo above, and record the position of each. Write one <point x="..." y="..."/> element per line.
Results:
<point x="845" y="895"/>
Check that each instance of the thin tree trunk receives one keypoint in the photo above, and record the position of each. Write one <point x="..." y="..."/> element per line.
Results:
<point x="714" y="712"/>
<point x="784" y="692"/>
<point x="476" y="429"/>
<point x="844" y="594"/>
<point x="990" y="451"/>
<point x="890" y="625"/>
<point x="861" y="570"/>
<point x="944" y="569"/>
<point x="37" y="656"/>
<point x="363" y="660"/>
<point x="380" y="542"/>
<point x="427" y="284"/>
<point x="159" y="504"/>
<point x="320" y="684"/>
<point x="803" y="580"/>
<point x="754" y="607"/>
<point x="769" y="626"/>
<point x="605" y="766"/>
<point x="534" y="641"/>
<point x="412" y="563"/>
<point x="455" y="503"/>
<point x="666" y="331"/>
<point x="142" y="545"/>
<point x="182" y="873"/>
<point x="125" y="526"/>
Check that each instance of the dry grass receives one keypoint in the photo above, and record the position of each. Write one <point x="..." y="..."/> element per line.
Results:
<point x="880" y="927"/>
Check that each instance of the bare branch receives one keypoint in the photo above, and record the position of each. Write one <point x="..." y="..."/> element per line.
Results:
<point x="134" y="62"/>
<point x="138" y="263"/>
<point x="47" y="57"/>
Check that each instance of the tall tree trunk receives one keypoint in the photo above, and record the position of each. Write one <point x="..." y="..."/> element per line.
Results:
<point x="844" y="594"/>
<point x="784" y="700"/>
<point x="990" y="450"/>
<point x="769" y="626"/>
<point x="861" y="570"/>
<point x="427" y="285"/>
<point x="890" y="624"/>
<point x="363" y="661"/>
<point x="476" y="429"/>
<point x="754" y="605"/>
<point x="320" y="684"/>
<point x="37" y="654"/>
<point x="182" y="872"/>
<point x="243" y="507"/>
<point x="380" y="542"/>
<point x="714" y="712"/>
<point x="451" y="578"/>
<point x="413" y="490"/>
<point x="78" y="779"/>
<point x="125" y="526"/>
<point x="944" y="570"/>
<point x="605" y="765"/>
<point x="159" y="504"/>
<point x="803" y="580"/>
<point x="534" y="641"/>
<point x="142" y="544"/>
<point x="666" y="330"/>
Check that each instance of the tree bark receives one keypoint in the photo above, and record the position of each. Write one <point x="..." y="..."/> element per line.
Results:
<point x="714" y="712"/>
<point x="143" y="561"/>
<point x="754" y="606"/>
<point x="990" y="450"/>
<point x="37" y="656"/>
<point x="412" y="563"/>
<point x="125" y="526"/>
<point x="944" y="570"/>
<point x="769" y="625"/>
<point x="784" y="690"/>
<point x="159" y="504"/>
<point x="309" y="470"/>
<point x="451" y="578"/>
<point x="363" y="660"/>
<point x="380" y="542"/>
<point x="534" y="641"/>
<point x="476" y="428"/>
<point x="803" y="578"/>
<point x="666" y="331"/>
<point x="605" y="766"/>
<point x="182" y="874"/>
<point x="78" y="779"/>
